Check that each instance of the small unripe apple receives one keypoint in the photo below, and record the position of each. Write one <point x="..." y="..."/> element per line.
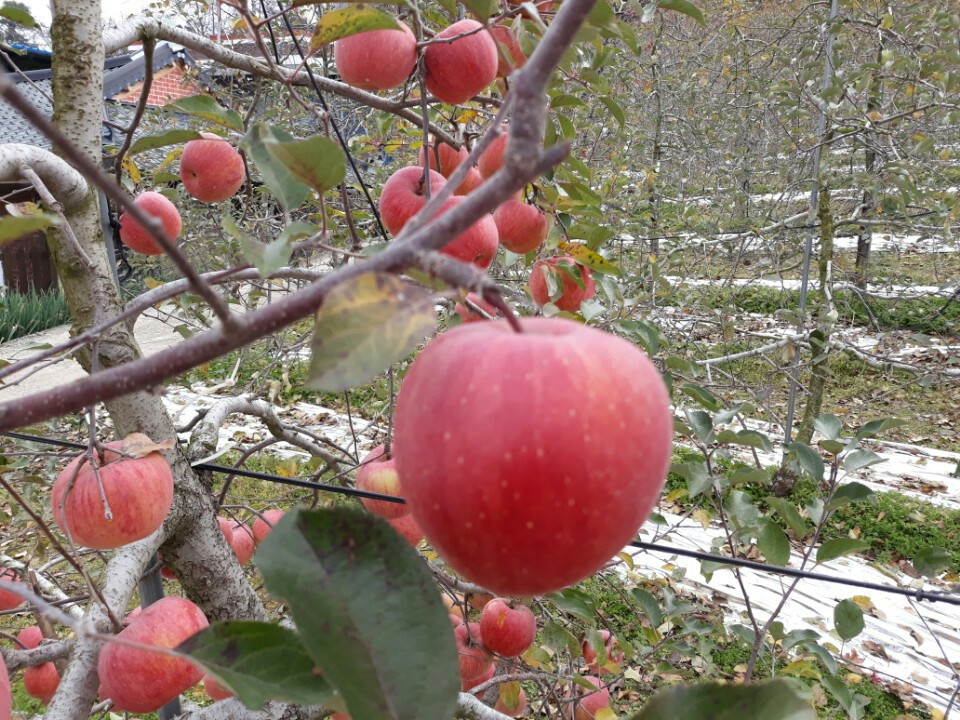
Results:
<point x="260" y="527"/>
<point x="404" y="195"/>
<point x="509" y="55"/>
<point x="571" y="295"/>
<point x="41" y="682"/>
<point x="376" y="59"/>
<point x="522" y="227"/>
<point x="141" y="681"/>
<point x="580" y="469"/>
<point x="458" y="70"/>
<point x="449" y="158"/>
<point x="10" y="600"/>
<point x="491" y="159"/>
<point x="214" y="690"/>
<point x="30" y="637"/>
<point x="507" y="629"/>
<point x="135" y="235"/>
<point x="211" y="169"/>
<point x="378" y="473"/>
<point x="139" y="491"/>
<point x="477" y="244"/>
<point x="475" y="660"/>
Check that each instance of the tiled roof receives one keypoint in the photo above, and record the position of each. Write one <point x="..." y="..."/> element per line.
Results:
<point x="13" y="127"/>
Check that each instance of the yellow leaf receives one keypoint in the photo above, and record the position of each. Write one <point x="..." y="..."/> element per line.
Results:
<point x="588" y="258"/>
<point x="139" y="445"/>
<point x="132" y="170"/>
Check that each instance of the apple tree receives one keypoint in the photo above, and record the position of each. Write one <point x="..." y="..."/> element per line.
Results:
<point x="352" y="620"/>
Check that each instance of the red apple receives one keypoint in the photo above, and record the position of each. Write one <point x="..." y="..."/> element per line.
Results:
<point x="507" y="628"/>
<point x="261" y="528"/>
<point x="226" y="527"/>
<point x="404" y="195"/>
<point x="376" y="59"/>
<point x="509" y="55"/>
<point x="444" y="158"/>
<point x="241" y="540"/>
<point x="30" y="637"/>
<point x="477" y="244"/>
<point x="578" y="471"/>
<point x="214" y="690"/>
<point x="474" y="658"/>
<point x="408" y="529"/>
<point x="588" y="705"/>
<point x="6" y="699"/>
<point x="455" y="620"/>
<point x="468" y="315"/>
<point x="471" y="182"/>
<point x="378" y="473"/>
<point x="8" y="599"/>
<point x="521" y="227"/>
<point x="468" y="685"/>
<point x="509" y="703"/>
<point x="211" y="170"/>
<point x="610" y="648"/>
<point x="458" y="70"/>
<point x="135" y="235"/>
<point x="491" y="159"/>
<point x="139" y="491"/>
<point x="570" y="295"/>
<point x="141" y="681"/>
<point x="41" y="682"/>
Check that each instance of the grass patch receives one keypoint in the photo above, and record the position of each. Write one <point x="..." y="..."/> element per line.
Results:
<point x="22" y="315"/>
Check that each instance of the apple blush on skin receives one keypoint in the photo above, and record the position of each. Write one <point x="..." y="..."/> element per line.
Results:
<point x="579" y="454"/>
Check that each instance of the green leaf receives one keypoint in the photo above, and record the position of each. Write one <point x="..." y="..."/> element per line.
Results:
<point x="648" y="603"/>
<point x="785" y="509"/>
<point x="368" y="611"/>
<point x="318" y="161"/>
<point x="829" y="426"/>
<point x="750" y="438"/>
<point x="575" y="602"/>
<point x="702" y="424"/>
<point x="875" y="427"/>
<point x="808" y="458"/>
<point x="614" y="109"/>
<point x="850" y="493"/>
<point x="171" y="137"/>
<point x="847" y="619"/>
<point x="266" y="257"/>
<point x="481" y="9"/>
<point x="860" y="459"/>
<point x="749" y="475"/>
<point x="18" y="16"/>
<point x="696" y="475"/>
<point x="206" y="108"/>
<point x="588" y="258"/>
<point x="363" y="326"/>
<point x="773" y="543"/>
<point x="932" y="560"/>
<point x="683" y="6"/>
<point x="839" y="547"/>
<point x="702" y="396"/>
<point x="557" y="638"/>
<point x="259" y="662"/>
<point x="772" y="700"/>
<point x="282" y="182"/>
<point x="350" y="20"/>
<point x="13" y="228"/>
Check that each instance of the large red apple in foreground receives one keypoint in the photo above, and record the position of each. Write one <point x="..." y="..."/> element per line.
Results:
<point x="376" y="59"/>
<point x="135" y="235"/>
<point x="211" y="170"/>
<point x="458" y="70"/>
<point x="530" y="459"/>
<point x="139" y="491"/>
<point x="141" y="681"/>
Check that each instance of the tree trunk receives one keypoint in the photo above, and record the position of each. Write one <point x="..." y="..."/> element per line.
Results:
<point x="193" y="545"/>
<point x="865" y="233"/>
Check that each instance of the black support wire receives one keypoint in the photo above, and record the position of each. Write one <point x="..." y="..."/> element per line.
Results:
<point x="947" y="597"/>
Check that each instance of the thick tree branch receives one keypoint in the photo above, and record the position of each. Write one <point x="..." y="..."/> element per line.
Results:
<point x="66" y="184"/>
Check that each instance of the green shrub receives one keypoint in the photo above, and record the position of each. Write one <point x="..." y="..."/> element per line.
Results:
<point x="26" y="314"/>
